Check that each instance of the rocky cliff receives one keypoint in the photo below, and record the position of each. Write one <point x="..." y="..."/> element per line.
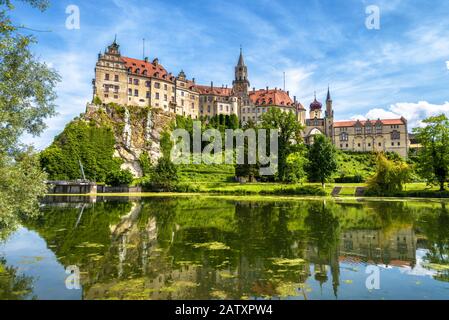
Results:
<point x="137" y="131"/>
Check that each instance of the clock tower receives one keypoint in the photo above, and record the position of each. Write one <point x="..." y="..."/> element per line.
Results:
<point x="241" y="83"/>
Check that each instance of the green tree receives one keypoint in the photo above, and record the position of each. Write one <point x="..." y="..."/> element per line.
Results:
<point x="164" y="176"/>
<point x="295" y="170"/>
<point x="27" y="98"/>
<point x="81" y="141"/>
<point x="322" y="159"/>
<point x="249" y="171"/>
<point x="26" y="85"/>
<point x="290" y="138"/>
<point x="119" y="178"/>
<point x="390" y="176"/>
<point x="433" y="157"/>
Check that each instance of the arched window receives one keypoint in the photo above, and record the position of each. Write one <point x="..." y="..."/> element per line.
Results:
<point x="395" y="135"/>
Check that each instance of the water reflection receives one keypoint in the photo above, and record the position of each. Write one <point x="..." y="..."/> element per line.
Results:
<point x="211" y="248"/>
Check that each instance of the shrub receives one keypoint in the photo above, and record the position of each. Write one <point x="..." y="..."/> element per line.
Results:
<point x="389" y="178"/>
<point x="164" y="176"/>
<point x="119" y="178"/>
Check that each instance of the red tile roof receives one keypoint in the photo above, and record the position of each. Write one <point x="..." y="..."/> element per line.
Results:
<point x="274" y="97"/>
<point x="386" y="122"/>
<point x="147" y="69"/>
<point x="217" y="91"/>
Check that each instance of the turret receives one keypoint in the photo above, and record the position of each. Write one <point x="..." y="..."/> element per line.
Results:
<point x="241" y="83"/>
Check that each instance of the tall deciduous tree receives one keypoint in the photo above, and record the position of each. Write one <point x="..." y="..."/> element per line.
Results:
<point x="322" y="159"/>
<point x="290" y="138"/>
<point x="433" y="163"/>
<point x="26" y="99"/>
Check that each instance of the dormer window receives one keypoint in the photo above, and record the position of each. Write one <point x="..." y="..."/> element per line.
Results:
<point x="379" y="128"/>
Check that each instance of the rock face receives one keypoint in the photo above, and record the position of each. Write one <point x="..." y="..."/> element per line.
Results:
<point x="137" y="131"/>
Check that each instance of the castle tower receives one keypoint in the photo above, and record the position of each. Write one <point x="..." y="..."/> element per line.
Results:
<point x="315" y="109"/>
<point x="110" y="82"/>
<point x="241" y="83"/>
<point x="329" y="115"/>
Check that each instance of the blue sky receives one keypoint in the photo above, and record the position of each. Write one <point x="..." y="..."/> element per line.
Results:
<point x="400" y="69"/>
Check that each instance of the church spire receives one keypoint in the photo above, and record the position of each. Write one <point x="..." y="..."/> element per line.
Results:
<point x="241" y="82"/>
<point x="241" y="62"/>
<point x="328" y="98"/>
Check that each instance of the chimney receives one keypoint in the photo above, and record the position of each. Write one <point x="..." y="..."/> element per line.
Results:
<point x="226" y="86"/>
<point x="275" y="88"/>
<point x="222" y="86"/>
<point x="193" y="80"/>
<point x="211" y="84"/>
<point x="146" y="59"/>
<point x="267" y="88"/>
<point x="288" y="93"/>
<point x="254" y="89"/>
<point x="294" y="99"/>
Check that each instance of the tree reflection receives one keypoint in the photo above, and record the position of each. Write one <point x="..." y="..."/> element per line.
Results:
<point x="209" y="248"/>
<point x="14" y="286"/>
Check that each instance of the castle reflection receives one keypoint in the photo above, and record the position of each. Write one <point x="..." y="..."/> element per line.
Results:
<point x="192" y="249"/>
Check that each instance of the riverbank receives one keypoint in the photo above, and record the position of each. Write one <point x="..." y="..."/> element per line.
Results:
<point x="334" y="190"/>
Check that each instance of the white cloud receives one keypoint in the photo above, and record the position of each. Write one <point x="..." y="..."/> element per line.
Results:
<point x="413" y="112"/>
<point x="447" y="64"/>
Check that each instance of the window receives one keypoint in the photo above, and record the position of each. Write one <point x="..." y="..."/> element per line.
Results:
<point x="116" y="78"/>
<point x="341" y="145"/>
<point x="136" y="82"/>
<point x="399" y="143"/>
<point x="130" y="92"/>
<point x="148" y="94"/>
<point x="147" y="84"/>
<point x="344" y="136"/>
<point x="368" y="130"/>
<point x="380" y="144"/>
<point x="369" y="144"/>
<point x="182" y="93"/>
<point x="157" y="95"/>
<point x="157" y="85"/>
<point x="358" y="130"/>
<point x="165" y="97"/>
<point x="106" y="76"/>
<point x="358" y="145"/>
<point x="395" y="135"/>
<point x="136" y="93"/>
<point x="165" y="87"/>
<point x="130" y="80"/>
<point x="379" y="129"/>
<point x="116" y="88"/>
<point x="347" y="145"/>
<point x="182" y="102"/>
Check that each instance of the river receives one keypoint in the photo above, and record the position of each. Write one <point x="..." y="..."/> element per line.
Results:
<point x="205" y="247"/>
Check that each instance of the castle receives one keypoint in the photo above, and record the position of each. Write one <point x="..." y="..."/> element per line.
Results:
<point x="129" y="81"/>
